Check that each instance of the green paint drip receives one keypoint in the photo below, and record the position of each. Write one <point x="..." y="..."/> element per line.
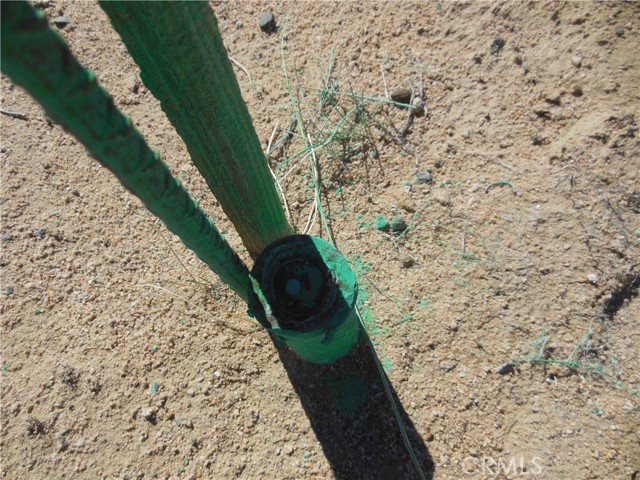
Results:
<point x="308" y="293"/>
<point x="37" y="59"/>
<point x="184" y="64"/>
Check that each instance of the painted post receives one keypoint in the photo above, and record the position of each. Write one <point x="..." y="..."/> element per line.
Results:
<point x="184" y="64"/>
<point x="308" y="294"/>
<point x="37" y="59"/>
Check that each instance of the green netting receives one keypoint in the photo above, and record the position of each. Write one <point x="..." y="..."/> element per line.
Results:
<point x="37" y="59"/>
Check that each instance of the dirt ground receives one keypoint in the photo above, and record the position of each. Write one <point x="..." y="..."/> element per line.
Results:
<point x="506" y="314"/>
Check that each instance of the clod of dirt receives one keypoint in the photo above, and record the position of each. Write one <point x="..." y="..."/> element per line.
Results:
<point x="267" y="22"/>
<point x="627" y="289"/>
<point x="497" y="45"/>
<point x="407" y="261"/>
<point x="401" y="95"/>
<point x="70" y="376"/>
<point x="398" y="224"/>
<point x="35" y="427"/>
<point x="424" y="177"/>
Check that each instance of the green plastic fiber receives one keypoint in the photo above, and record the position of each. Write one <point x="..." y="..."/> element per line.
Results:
<point x="184" y="64"/>
<point x="37" y="59"/>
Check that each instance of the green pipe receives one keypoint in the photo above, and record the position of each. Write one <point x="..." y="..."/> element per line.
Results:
<point x="184" y="64"/>
<point x="308" y="294"/>
<point x="37" y="59"/>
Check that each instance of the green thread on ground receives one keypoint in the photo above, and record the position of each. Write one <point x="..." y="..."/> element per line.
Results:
<point x="37" y="59"/>
<point x="185" y="65"/>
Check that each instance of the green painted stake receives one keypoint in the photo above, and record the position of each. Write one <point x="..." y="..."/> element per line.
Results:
<point x="184" y="64"/>
<point x="308" y="294"/>
<point x="37" y="59"/>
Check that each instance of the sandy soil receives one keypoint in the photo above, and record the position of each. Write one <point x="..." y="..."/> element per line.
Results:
<point x="506" y="317"/>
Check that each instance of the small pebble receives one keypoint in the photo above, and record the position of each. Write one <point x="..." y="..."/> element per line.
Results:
<point x="576" y="60"/>
<point x="398" y="224"/>
<point x="191" y="392"/>
<point x="505" y="368"/>
<point x="79" y="443"/>
<point x="424" y="177"/>
<point x="593" y="278"/>
<point x="148" y="413"/>
<point x="61" y="21"/>
<point x="239" y="24"/>
<point x="401" y="95"/>
<point x="10" y="290"/>
<point x="620" y="31"/>
<point x="267" y="22"/>
<point x="418" y="106"/>
<point x="41" y="233"/>
<point x="497" y="45"/>
<point x="6" y="237"/>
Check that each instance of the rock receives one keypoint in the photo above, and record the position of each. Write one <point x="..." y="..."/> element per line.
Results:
<point x="477" y="58"/>
<point x="191" y="392"/>
<point x="593" y="278"/>
<point x="447" y="366"/>
<point x="9" y="290"/>
<point x="239" y="24"/>
<point x="288" y="449"/>
<point x="401" y="95"/>
<point x="149" y="414"/>
<point x="61" y="21"/>
<point x="382" y="224"/>
<point x="398" y="224"/>
<point x="537" y="140"/>
<point x="576" y="60"/>
<point x="620" y="31"/>
<point x="418" y="106"/>
<point x="267" y="22"/>
<point x="553" y="97"/>
<point x="79" y="443"/>
<point x="424" y="177"/>
<point x="497" y="45"/>
<point x="6" y="237"/>
<point x="407" y="261"/>
<point x="505" y="368"/>
<point x="41" y="233"/>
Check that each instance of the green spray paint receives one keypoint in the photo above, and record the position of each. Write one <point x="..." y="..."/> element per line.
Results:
<point x="37" y="59"/>
<point x="184" y="64"/>
<point x="308" y="294"/>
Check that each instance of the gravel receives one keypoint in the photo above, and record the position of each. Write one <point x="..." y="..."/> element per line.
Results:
<point x="267" y="22"/>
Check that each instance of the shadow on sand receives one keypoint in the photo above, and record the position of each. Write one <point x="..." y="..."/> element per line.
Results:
<point x="353" y="418"/>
